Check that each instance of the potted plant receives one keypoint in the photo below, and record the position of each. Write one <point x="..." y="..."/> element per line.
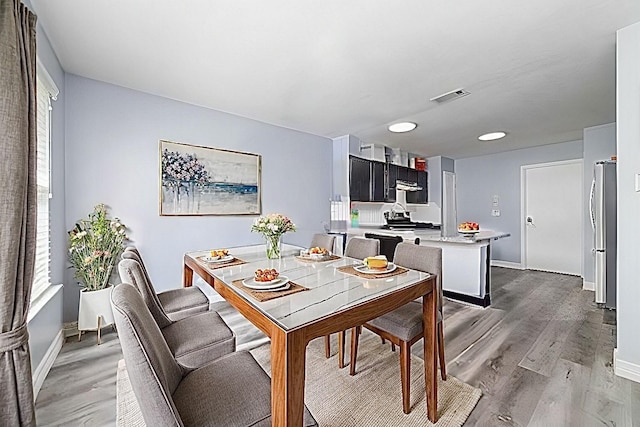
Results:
<point x="94" y="247"/>
<point x="272" y="227"/>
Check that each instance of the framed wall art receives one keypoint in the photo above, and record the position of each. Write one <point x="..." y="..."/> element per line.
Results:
<point x="197" y="180"/>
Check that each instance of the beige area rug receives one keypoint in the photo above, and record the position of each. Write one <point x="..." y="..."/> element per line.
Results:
<point x="370" y="398"/>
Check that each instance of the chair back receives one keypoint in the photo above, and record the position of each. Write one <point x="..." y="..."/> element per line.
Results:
<point x="153" y="372"/>
<point x="422" y="258"/>
<point x="323" y="241"/>
<point x="131" y="272"/>
<point x="358" y="247"/>
<point x="131" y="252"/>
<point x="387" y="243"/>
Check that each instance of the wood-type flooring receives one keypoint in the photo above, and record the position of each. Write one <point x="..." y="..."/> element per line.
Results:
<point x="542" y="355"/>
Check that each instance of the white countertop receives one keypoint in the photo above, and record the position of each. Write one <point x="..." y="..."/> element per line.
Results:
<point x="432" y="235"/>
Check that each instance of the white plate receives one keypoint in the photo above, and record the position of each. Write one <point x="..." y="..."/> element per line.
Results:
<point x="366" y="270"/>
<point x="281" y="288"/>
<point x="225" y="258"/>
<point x="274" y="284"/>
<point x="468" y="231"/>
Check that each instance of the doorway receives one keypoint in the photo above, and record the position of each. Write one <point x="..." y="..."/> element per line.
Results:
<point x="552" y="216"/>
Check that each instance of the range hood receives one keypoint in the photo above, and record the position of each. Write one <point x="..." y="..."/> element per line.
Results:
<point x="407" y="186"/>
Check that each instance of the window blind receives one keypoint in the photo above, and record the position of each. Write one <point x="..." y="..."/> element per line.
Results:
<point x="45" y="91"/>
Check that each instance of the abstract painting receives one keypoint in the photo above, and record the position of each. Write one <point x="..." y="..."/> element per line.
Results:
<point x="196" y="180"/>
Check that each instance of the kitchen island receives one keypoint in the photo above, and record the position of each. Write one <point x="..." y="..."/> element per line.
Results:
<point x="466" y="261"/>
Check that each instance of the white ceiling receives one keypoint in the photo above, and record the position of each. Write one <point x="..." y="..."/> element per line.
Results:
<point x="539" y="70"/>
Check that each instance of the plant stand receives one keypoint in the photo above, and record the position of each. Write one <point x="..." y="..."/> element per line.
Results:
<point x="94" y="311"/>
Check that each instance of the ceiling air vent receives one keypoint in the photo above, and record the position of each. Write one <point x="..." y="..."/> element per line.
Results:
<point x="450" y="96"/>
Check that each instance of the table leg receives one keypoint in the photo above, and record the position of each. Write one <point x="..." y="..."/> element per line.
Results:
<point x="287" y="378"/>
<point x="187" y="276"/>
<point x="430" y="317"/>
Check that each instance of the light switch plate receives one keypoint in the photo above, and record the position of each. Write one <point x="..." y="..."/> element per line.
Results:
<point x="496" y="200"/>
<point x="638" y="182"/>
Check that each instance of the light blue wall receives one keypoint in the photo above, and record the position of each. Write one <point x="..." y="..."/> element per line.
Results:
<point x="628" y="149"/>
<point x="112" y="157"/>
<point x="44" y="326"/>
<point x="435" y="166"/>
<point x="480" y="178"/>
<point x="599" y="144"/>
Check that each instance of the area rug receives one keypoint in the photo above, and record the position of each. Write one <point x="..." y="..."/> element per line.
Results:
<point x="370" y="398"/>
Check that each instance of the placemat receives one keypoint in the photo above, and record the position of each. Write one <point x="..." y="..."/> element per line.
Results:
<point x="266" y="296"/>
<point x="214" y="265"/>
<point x="305" y="259"/>
<point x="350" y="270"/>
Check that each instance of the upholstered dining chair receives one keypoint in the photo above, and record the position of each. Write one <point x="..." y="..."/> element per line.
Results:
<point x="170" y="394"/>
<point x="360" y="248"/>
<point x="403" y="326"/>
<point x="177" y="303"/>
<point x="195" y="340"/>
<point x="323" y="241"/>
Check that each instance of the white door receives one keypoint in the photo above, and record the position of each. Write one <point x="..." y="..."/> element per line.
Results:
<point x="553" y="217"/>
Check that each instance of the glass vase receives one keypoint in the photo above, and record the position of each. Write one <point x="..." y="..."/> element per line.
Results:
<point x="274" y="244"/>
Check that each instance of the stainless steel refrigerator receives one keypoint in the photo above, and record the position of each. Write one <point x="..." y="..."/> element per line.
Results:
<point x="603" y="221"/>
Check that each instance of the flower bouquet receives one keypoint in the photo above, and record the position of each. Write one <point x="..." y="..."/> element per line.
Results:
<point x="272" y="227"/>
<point x="94" y="247"/>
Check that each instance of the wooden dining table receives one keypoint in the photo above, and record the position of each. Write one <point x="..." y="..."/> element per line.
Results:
<point x="334" y="301"/>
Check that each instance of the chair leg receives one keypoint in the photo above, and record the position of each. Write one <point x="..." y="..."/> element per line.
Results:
<point x="355" y="338"/>
<point x="341" y="339"/>
<point x="443" y="363"/>
<point x="405" y="375"/>
<point x="327" y="346"/>
<point x="383" y="340"/>
<point x="393" y="347"/>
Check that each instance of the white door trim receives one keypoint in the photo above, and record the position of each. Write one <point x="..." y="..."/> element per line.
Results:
<point x="523" y="194"/>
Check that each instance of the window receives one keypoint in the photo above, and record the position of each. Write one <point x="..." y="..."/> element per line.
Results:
<point x="45" y="91"/>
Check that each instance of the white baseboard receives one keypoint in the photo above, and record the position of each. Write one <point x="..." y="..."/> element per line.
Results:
<point x="624" y="369"/>
<point x="506" y="264"/>
<point x="588" y="286"/>
<point x="47" y="362"/>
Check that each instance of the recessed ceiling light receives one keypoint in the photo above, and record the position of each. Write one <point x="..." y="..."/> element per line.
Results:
<point x="402" y="127"/>
<point x="492" y="136"/>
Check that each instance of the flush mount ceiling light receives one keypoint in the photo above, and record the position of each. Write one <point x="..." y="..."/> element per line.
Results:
<point x="492" y="136"/>
<point x="402" y="127"/>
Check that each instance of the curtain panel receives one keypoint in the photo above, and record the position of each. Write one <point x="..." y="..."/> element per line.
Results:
<point x="17" y="207"/>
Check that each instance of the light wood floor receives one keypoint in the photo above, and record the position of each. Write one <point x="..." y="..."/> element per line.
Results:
<point x="541" y="354"/>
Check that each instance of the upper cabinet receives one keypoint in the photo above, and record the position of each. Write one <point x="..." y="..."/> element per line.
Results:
<point x="373" y="181"/>
<point x="359" y="179"/>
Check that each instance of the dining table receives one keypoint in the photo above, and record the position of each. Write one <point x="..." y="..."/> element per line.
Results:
<point x="327" y="299"/>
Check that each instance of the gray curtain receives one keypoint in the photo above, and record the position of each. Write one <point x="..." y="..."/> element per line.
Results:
<point x="17" y="208"/>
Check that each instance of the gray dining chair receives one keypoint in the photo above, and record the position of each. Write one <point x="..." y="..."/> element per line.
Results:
<point x="323" y="241"/>
<point x="177" y="303"/>
<point x="360" y="248"/>
<point x="171" y="394"/>
<point x="195" y="340"/>
<point x="404" y="326"/>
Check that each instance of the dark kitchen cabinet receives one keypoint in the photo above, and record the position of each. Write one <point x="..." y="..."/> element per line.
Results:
<point x="403" y="173"/>
<point x="377" y="182"/>
<point x="392" y="176"/>
<point x="359" y="179"/>
<point x="420" y="196"/>
<point x="373" y="181"/>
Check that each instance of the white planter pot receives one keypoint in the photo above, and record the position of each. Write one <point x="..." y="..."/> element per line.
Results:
<point x="94" y="305"/>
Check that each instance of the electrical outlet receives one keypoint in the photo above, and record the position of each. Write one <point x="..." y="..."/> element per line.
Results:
<point x="495" y="212"/>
